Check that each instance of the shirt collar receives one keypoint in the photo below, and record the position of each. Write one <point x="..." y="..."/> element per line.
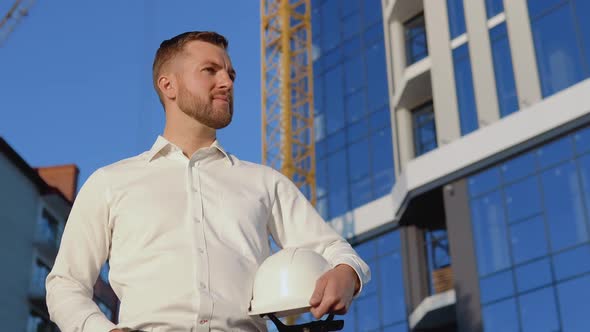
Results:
<point x="162" y="143"/>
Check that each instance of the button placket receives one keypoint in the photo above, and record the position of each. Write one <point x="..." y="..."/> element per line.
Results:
<point x="206" y="304"/>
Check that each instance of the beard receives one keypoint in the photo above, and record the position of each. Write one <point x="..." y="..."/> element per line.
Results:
<point x="205" y="112"/>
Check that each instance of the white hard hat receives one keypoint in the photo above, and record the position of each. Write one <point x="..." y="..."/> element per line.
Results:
<point x="285" y="282"/>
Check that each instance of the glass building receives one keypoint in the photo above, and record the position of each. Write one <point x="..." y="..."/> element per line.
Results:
<point x="453" y="151"/>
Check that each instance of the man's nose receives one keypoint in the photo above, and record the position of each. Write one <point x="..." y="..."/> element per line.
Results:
<point x="225" y="81"/>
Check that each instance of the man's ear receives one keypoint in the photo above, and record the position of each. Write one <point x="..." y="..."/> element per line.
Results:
<point x="167" y="85"/>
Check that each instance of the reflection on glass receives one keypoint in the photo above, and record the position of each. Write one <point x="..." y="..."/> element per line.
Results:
<point x="377" y="93"/>
<point x="392" y="300"/>
<point x="338" y="184"/>
<point x="564" y="207"/>
<point x="489" y="231"/>
<point x="358" y="160"/>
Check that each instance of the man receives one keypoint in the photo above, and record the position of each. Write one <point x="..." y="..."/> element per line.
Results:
<point x="185" y="225"/>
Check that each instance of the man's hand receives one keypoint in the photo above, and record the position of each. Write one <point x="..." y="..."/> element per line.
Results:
<point x="334" y="291"/>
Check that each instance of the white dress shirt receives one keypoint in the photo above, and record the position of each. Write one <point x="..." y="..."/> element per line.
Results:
<point x="184" y="238"/>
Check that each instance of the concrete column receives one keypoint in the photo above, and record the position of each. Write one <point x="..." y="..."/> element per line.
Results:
<point x="415" y="266"/>
<point x="405" y="134"/>
<point x="446" y="114"/>
<point x="463" y="259"/>
<point x="524" y="62"/>
<point x="482" y="65"/>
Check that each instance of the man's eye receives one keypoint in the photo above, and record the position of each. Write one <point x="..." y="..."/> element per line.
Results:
<point x="209" y="69"/>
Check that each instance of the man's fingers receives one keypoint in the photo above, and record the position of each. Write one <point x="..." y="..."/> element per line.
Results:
<point x="318" y="292"/>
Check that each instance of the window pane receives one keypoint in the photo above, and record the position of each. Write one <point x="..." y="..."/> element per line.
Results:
<point x="494" y="7"/>
<point x="489" y="230"/>
<point x="392" y="289"/>
<point x="334" y="101"/>
<point x="557" y="50"/>
<point x="564" y="208"/>
<point x="522" y="199"/>
<point x="361" y="192"/>
<point x="353" y="67"/>
<point x="368" y="317"/>
<point x="582" y="8"/>
<point x="376" y="77"/>
<point x="355" y="106"/>
<point x="358" y="130"/>
<point x="464" y="87"/>
<point x="584" y="168"/>
<point x="424" y="129"/>
<point x="500" y="316"/>
<point x="382" y="161"/>
<point x="505" y="85"/>
<point x="359" y="160"/>
<point x="581" y="139"/>
<point x="483" y="182"/>
<point x="496" y="286"/>
<point x="350" y="7"/>
<point x="321" y="177"/>
<point x="351" y="25"/>
<point x="572" y="262"/>
<point x="528" y="240"/>
<point x="573" y="304"/>
<point x="338" y="184"/>
<point x="538" y="311"/>
<point x="533" y="275"/>
<point x="555" y="152"/>
<point x="380" y="119"/>
<point x="388" y="243"/>
<point x="372" y="11"/>
<point x="330" y="25"/>
<point x="518" y="167"/>
<point x="336" y="141"/>
<point x="415" y="34"/>
<point x="456" y="17"/>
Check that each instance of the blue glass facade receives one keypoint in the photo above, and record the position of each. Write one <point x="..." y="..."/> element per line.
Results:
<point x="354" y="154"/>
<point x="531" y="227"/>
<point x="561" y="34"/>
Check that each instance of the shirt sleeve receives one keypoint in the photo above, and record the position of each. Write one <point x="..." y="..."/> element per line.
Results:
<point x="296" y="223"/>
<point x="84" y="249"/>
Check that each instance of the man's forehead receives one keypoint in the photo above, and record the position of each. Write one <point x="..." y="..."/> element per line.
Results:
<point x="201" y="51"/>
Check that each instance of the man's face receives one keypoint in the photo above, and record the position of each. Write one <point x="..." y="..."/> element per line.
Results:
<point x="205" y="84"/>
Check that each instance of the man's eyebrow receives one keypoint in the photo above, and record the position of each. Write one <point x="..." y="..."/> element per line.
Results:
<point x="231" y="70"/>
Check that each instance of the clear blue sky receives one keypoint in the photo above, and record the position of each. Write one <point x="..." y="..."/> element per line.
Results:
<point x="75" y="77"/>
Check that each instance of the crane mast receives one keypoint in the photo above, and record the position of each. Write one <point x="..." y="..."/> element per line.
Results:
<point x="287" y="91"/>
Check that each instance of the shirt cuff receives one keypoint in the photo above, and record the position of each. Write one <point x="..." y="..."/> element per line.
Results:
<point x="356" y="269"/>
<point x="97" y="322"/>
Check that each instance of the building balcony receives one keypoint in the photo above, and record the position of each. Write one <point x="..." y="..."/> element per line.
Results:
<point x="435" y="311"/>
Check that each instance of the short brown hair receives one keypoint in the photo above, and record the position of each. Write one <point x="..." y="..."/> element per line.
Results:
<point x="171" y="47"/>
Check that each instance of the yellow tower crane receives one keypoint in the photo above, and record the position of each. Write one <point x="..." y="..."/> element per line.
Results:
<point x="287" y="91"/>
<point x="17" y="12"/>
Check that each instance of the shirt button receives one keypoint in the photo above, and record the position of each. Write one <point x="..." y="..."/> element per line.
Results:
<point x="197" y="220"/>
<point x="201" y="250"/>
<point x="203" y="286"/>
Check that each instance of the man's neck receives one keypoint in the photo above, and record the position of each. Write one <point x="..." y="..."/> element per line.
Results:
<point x="186" y="133"/>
